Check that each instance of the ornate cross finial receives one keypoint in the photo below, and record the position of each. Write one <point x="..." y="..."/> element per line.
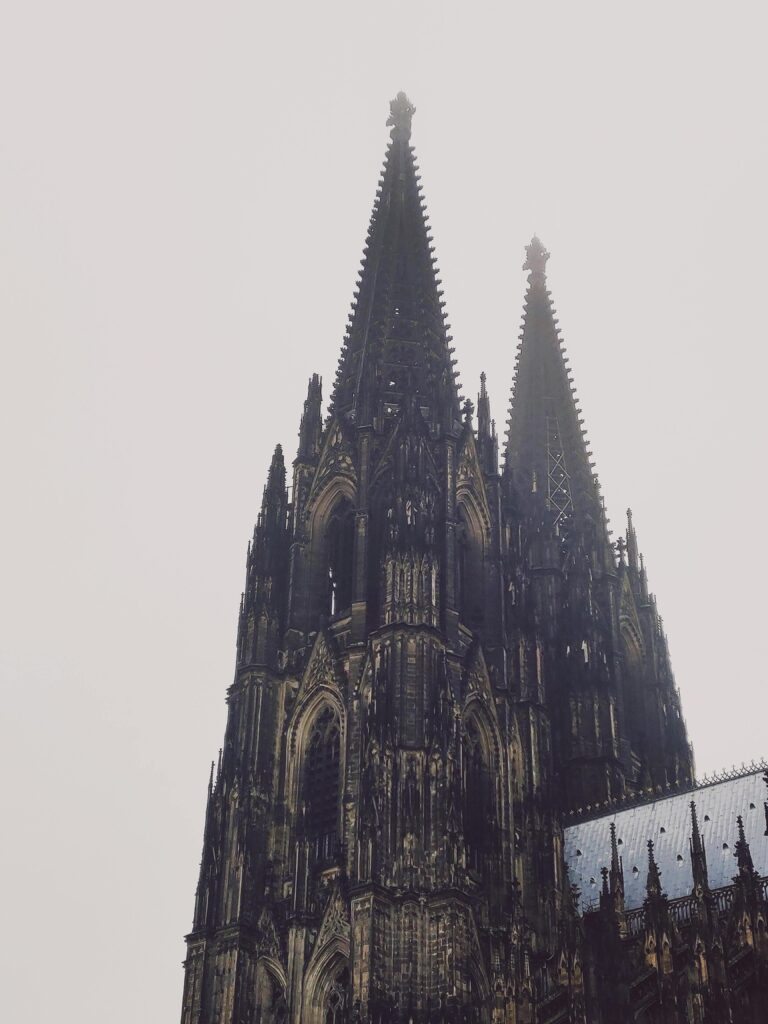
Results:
<point x="536" y="257"/>
<point x="401" y="112"/>
<point x="621" y="547"/>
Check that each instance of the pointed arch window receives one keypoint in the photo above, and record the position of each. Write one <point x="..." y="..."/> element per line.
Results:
<point x="271" y="1005"/>
<point x="341" y="546"/>
<point x="322" y="781"/>
<point x="336" y="1000"/>
<point x="462" y="560"/>
<point x="477" y="798"/>
<point x="469" y="570"/>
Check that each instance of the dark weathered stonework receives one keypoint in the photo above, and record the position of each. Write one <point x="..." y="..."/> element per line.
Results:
<point x="437" y="662"/>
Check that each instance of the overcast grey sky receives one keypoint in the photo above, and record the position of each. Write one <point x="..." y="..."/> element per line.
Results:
<point x="184" y="193"/>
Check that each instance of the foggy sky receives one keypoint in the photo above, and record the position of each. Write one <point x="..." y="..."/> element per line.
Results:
<point x="184" y="194"/>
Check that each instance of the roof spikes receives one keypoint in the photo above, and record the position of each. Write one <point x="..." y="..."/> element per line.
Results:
<point x="653" y="882"/>
<point x="631" y="542"/>
<point x="743" y="854"/>
<point x="698" y="853"/>
<point x="617" y="868"/>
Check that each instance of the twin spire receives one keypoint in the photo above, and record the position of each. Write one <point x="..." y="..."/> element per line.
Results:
<point x="547" y="457"/>
<point x="397" y="348"/>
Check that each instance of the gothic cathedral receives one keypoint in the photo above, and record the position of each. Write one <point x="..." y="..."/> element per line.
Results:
<point x="445" y="669"/>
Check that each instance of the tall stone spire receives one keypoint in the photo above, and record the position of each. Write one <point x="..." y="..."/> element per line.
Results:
<point x="546" y="450"/>
<point x="397" y="343"/>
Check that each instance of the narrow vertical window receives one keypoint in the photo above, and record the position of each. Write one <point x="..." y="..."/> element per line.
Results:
<point x="469" y="572"/>
<point x="322" y="781"/>
<point x="341" y="543"/>
<point x="461" y="571"/>
<point x="477" y="803"/>
<point x="336" y="1002"/>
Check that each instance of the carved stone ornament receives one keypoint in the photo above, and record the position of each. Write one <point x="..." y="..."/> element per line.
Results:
<point x="322" y="666"/>
<point x="269" y="940"/>
<point x="335" y="920"/>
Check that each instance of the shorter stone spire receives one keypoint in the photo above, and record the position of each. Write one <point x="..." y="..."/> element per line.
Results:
<point x="266" y="564"/>
<point x="276" y="475"/>
<point x="547" y="455"/>
<point x="311" y="420"/>
<point x="486" y="430"/>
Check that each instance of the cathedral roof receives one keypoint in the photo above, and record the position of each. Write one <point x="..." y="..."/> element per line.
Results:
<point x="397" y="343"/>
<point x="667" y="822"/>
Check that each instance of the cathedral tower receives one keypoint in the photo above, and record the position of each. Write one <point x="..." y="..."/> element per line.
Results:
<point x="616" y="717"/>
<point x="434" y="661"/>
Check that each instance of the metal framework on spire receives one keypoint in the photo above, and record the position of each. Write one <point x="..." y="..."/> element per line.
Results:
<point x="559" y="497"/>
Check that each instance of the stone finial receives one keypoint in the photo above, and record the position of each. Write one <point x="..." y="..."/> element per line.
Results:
<point x="401" y="112"/>
<point x="536" y="257"/>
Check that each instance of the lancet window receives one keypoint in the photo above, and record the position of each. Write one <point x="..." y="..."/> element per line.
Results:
<point x="477" y="797"/>
<point x="322" y="780"/>
<point x="341" y="542"/>
<point x="272" y="1007"/>
<point x="336" y="999"/>
<point x="469" y="571"/>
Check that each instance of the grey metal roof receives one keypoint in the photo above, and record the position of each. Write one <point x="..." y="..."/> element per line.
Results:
<point x="667" y="822"/>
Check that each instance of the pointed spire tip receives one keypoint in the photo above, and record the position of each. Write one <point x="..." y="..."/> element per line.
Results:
<point x="536" y="256"/>
<point x="401" y="112"/>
